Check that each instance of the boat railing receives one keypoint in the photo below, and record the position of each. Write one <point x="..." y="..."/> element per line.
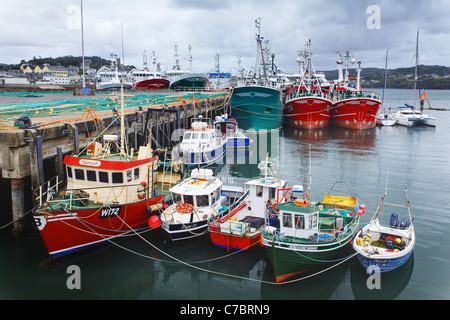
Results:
<point x="358" y="94"/>
<point x="46" y="190"/>
<point x="81" y="197"/>
<point x="197" y="89"/>
<point x="296" y="95"/>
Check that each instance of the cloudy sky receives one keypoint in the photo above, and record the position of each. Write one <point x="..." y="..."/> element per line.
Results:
<point x="51" y="28"/>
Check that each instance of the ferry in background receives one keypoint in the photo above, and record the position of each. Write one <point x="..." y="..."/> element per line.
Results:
<point x="219" y="80"/>
<point x="256" y="100"/>
<point x="353" y="108"/>
<point x="185" y="80"/>
<point x="307" y="106"/>
<point x="149" y="80"/>
<point x="110" y="78"/>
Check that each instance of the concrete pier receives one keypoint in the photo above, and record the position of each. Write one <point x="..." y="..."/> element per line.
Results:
<point x="25" y="150"/>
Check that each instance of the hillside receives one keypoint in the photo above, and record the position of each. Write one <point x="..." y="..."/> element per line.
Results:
<point x="431" y="77"/>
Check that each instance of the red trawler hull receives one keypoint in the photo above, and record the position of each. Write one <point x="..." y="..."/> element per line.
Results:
<point x="308" y="112"/>
<point x="153" y="84"/>
<point x="355" y="113"/>
<point x="65" y="232"/>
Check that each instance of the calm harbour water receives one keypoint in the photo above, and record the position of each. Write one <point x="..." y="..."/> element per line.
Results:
<point x="419" y="161"/>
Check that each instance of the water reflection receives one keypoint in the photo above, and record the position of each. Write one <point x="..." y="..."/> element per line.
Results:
<point x="392" y="283"/>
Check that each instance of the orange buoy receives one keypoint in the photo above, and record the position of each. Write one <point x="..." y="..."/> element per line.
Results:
<point x="154" y="222"/>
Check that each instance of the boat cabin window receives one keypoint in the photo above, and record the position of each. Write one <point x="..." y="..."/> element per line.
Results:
<point x="205" y="136"/>
<point x="187" y="136"/>
<point x="188" y="199"/>
<point x="117" y="177"/>
<point x="129" y="175"/>
<point x="69" y="172"/>
<point x="176" y="197"/>
<point x="203" y="201"/>
<point x="136" y="173"/>
<point x="103" y="177"/>
<point x="215" y="196"/>
<point x="79" y="174"/>
<point x="259" y="191"/>
<point x="194" y="136"/>
<point x="299" y="222"/>
<point x="272" y="193"/>
<point x="287" y="220"/>
<point x="313" y="221"/>
<point x="91" y="175"/>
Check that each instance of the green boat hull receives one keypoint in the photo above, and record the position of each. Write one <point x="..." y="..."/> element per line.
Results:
<point x="257" y="108"/>
<point x="289" y="263"/>
<point x="189" y="82"/>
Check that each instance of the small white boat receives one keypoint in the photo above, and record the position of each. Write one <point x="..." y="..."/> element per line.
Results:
<point x="201" y="145"/>
<point x="385" y="119"/>
<point x="409" y="117"/>
<point x="387" y="247"/>
<point x="198" y="200"/>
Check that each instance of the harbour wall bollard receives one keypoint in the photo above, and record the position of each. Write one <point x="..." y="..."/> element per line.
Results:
<point x="27" y="153"/>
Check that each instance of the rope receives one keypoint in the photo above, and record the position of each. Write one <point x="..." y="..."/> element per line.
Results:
<point x="232" y="275"/>
<point x="15" y="220"/>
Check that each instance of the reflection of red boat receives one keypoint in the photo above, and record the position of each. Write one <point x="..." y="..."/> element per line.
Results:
<point x="153" y="84"/>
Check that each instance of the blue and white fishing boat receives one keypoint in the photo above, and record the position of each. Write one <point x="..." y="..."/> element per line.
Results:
<point x="387" y="247"/>
<point x="234" y="136"/>
<point x="206" y="143"/>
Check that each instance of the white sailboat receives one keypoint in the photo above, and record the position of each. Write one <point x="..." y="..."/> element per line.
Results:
<point x="384" y="118"/>
<point x="407" y="115"/>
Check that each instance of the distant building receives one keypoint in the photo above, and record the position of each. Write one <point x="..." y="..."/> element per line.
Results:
<point x="13" y="78"/>
<point x="50" y="79"/>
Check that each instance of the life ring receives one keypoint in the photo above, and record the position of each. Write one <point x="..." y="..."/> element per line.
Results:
<point x="301" y="203"/>
<point x="184" y="208"/>
<point x="141" y="190"/>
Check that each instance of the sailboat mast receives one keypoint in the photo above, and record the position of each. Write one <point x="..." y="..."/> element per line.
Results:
<point x="416" y="72"/>
<point x="82" y="44"/>
<point x="385" y="77"/>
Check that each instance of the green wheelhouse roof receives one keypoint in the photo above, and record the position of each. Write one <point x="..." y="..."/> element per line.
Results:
<point x="292" y="207"/>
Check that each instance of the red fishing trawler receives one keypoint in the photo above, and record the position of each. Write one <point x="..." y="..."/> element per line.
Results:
<point x="353" y="108"/>
<point x="108" y="193"/>
<point x="307" y="106"/>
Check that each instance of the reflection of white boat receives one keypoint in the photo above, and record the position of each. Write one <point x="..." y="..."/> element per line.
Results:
<point x="196" y="201"/>
<point x="409" y="117"/>
<point x="385" y="119"/>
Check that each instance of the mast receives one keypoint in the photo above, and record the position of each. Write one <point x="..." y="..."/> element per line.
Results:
<point x="340" y="62"/>
<point x="177" y="58"/>
<point x="416" y="71"/>
<point x="122" y="108"/>
<point x="144" y="62"/>
<point x="123" y="52"/>
<point x="190" y="57"/>
<point x="259" y="45"/>
<point x="82" y="45"/>
<point x="385" y="77"/>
